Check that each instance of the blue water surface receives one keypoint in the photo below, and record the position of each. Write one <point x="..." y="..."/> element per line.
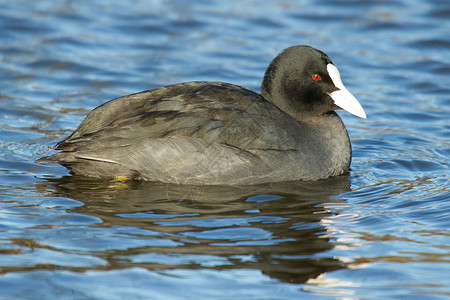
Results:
<point x="380" y="233"/>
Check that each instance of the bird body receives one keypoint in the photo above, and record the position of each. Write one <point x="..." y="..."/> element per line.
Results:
<point x="215" y="133"/>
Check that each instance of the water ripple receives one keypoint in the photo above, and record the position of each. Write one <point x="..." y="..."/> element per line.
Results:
<point x="380" y="232"/>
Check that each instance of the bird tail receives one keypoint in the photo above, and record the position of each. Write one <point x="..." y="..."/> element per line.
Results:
<point x="57" y="158"/>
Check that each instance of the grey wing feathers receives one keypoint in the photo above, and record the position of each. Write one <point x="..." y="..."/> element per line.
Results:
<point x="213" y="112"/>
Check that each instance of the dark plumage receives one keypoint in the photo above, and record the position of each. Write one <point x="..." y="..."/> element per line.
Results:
<point x="220" y="133"/>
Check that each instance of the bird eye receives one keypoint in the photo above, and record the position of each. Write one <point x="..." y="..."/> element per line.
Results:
<point x="316" y="77"/>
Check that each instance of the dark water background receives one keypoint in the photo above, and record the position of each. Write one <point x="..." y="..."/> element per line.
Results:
<point x="380" y="233"/>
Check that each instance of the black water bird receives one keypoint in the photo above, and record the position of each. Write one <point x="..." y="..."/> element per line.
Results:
<point x="220" y="133"/>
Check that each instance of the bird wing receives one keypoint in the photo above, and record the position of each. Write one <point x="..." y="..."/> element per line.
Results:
<point x="210" y="112"/>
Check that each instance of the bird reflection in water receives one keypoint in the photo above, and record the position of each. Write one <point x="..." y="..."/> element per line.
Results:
<point x="275" y="228"/>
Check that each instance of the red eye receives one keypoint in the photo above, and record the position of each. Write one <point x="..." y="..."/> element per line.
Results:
<point x="316" y="77"/>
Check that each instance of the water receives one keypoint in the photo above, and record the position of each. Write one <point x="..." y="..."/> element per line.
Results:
<point x="379" y="233"/>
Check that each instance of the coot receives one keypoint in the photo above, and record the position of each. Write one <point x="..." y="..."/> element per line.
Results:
<point x="218" y="133"/>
